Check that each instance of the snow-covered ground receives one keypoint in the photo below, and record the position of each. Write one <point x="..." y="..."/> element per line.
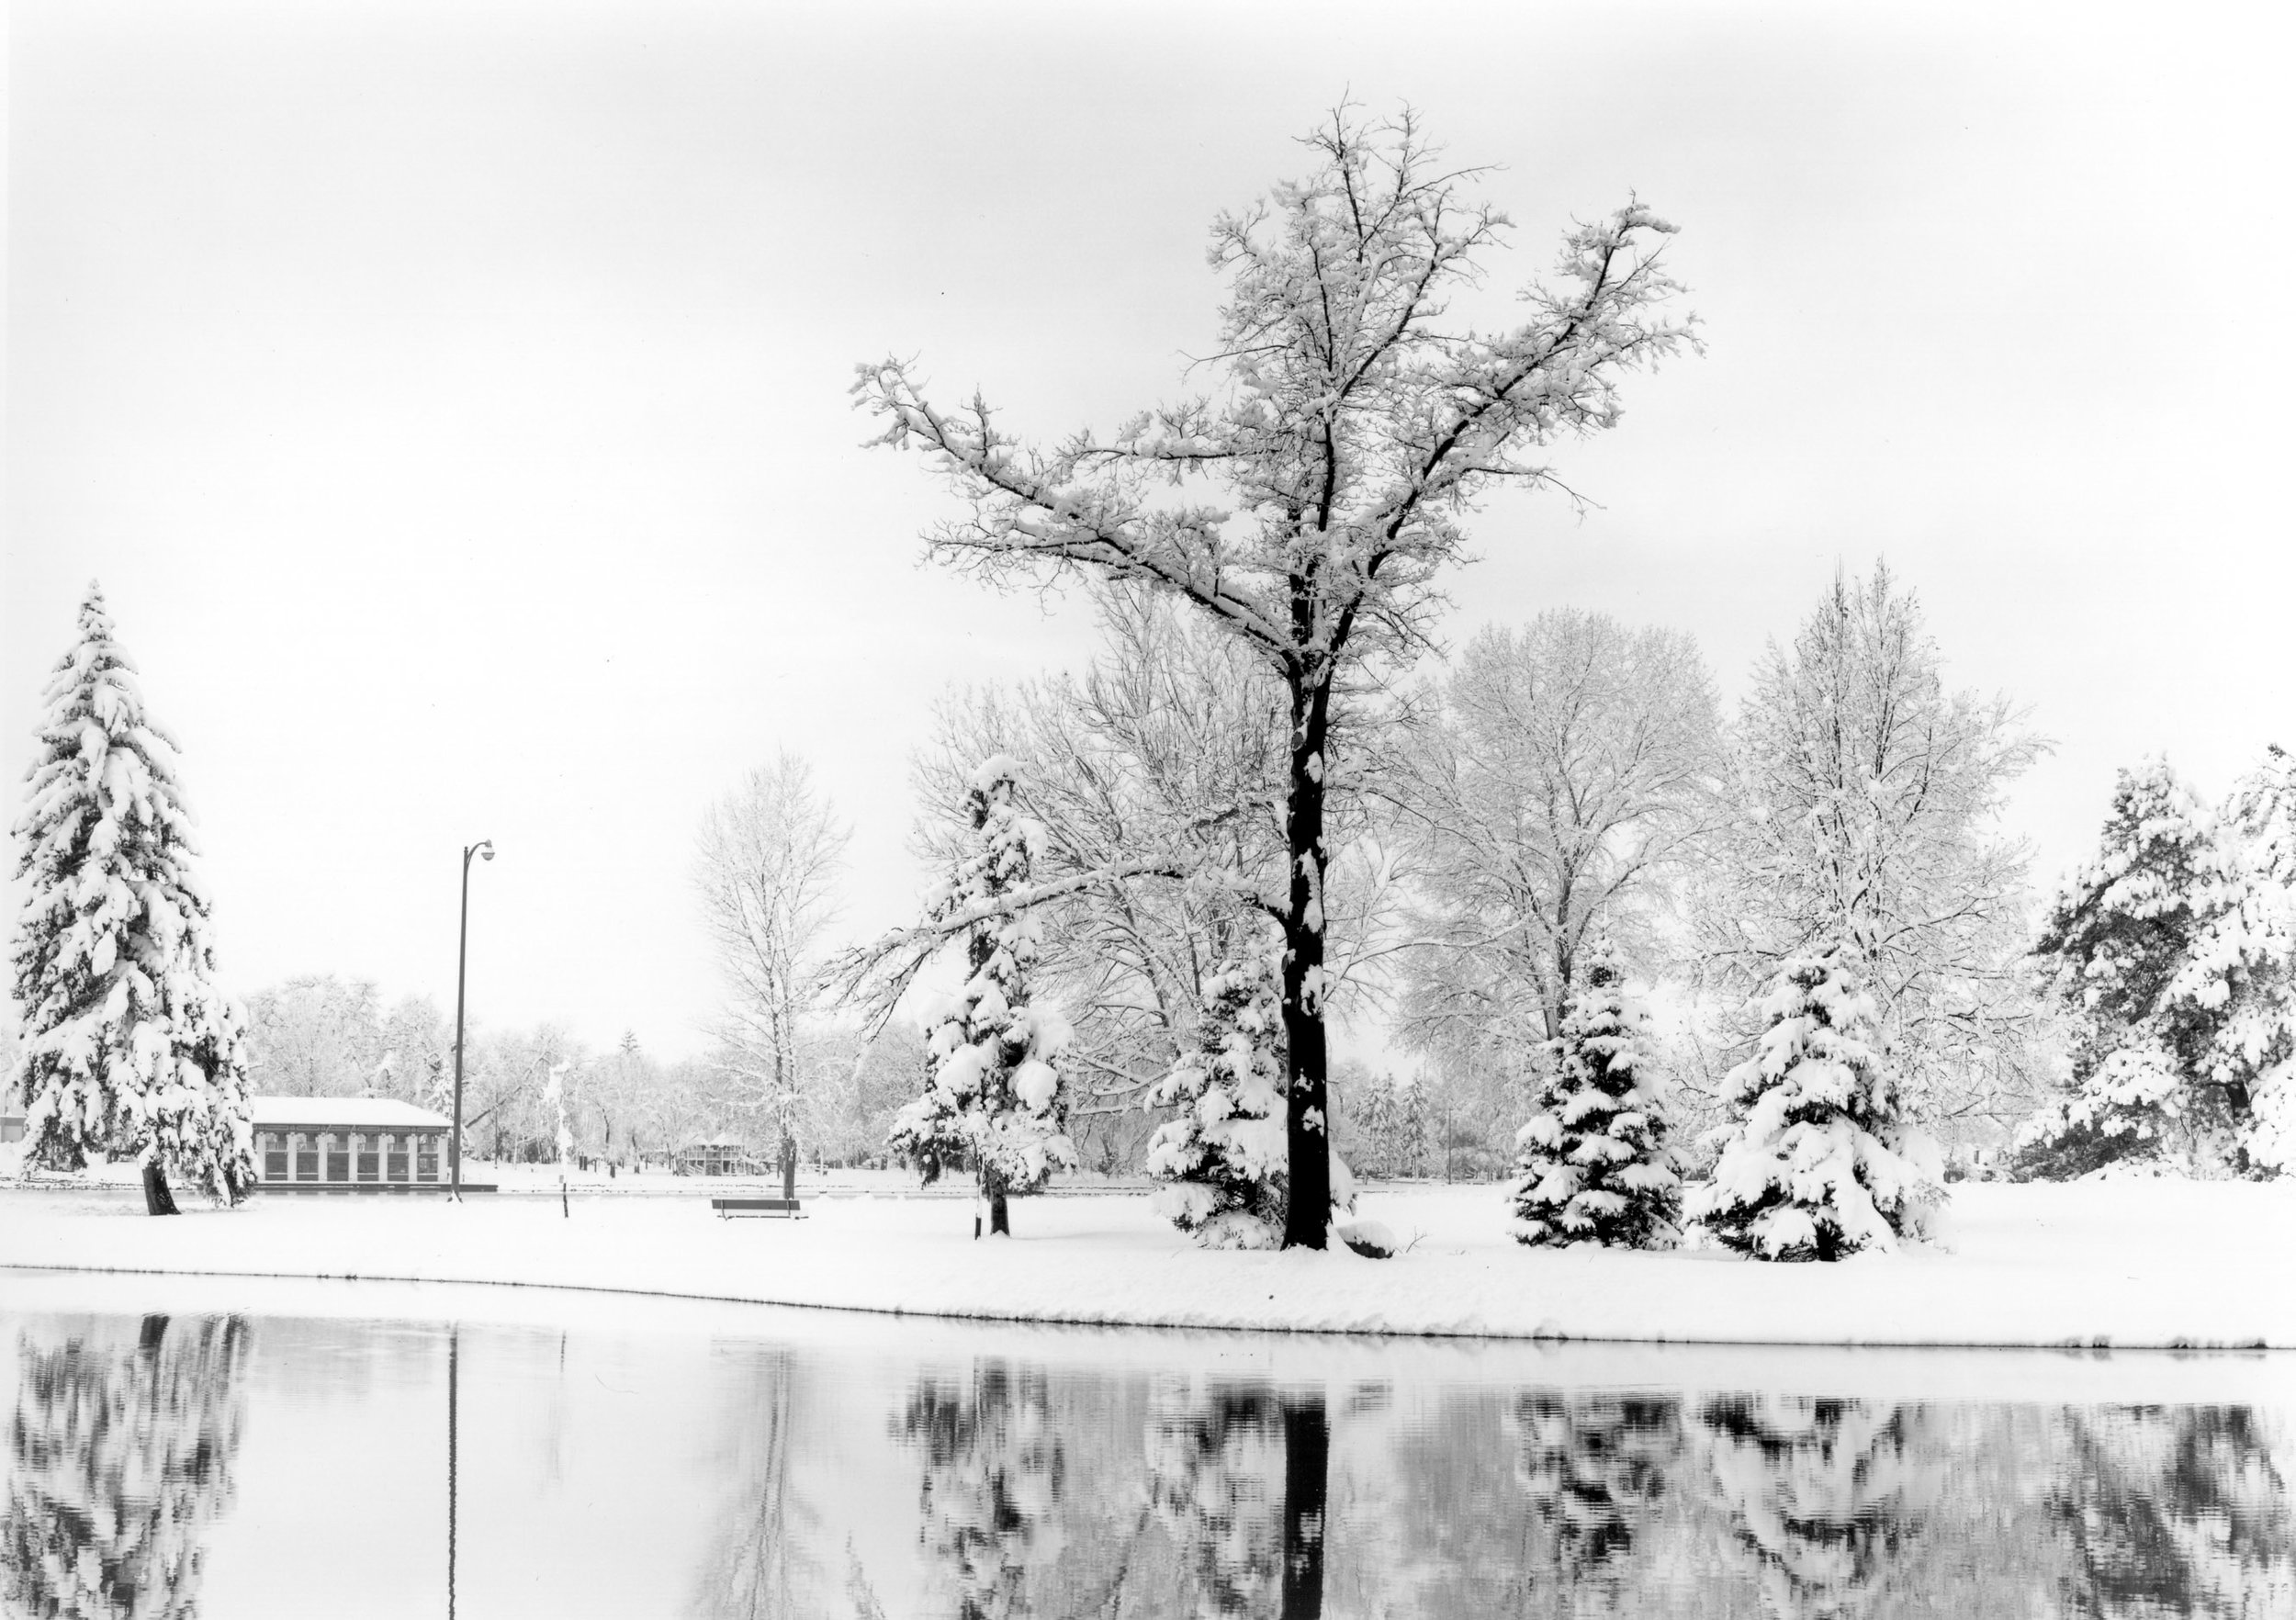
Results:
<point x="2125" y="1264"/>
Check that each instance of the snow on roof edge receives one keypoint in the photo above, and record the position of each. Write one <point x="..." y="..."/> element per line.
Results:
<point x="382" y="1112"/>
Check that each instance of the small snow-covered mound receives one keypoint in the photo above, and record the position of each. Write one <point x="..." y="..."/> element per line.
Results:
<point x="1370" y="1239"/>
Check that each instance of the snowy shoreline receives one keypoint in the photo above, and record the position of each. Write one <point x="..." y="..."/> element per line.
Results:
<point x="2160" y="1264"/>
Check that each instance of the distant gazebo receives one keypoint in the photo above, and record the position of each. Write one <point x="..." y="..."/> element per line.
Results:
<point x="348" y="1145"/>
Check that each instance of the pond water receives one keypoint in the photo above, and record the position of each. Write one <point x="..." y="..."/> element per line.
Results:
<point x="176" y="1447"/>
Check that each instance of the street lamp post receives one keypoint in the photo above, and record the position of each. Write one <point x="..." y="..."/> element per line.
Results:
<point x="484" y="846"/>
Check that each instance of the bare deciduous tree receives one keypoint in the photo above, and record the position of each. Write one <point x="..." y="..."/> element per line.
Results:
<point x="1556" y="798"/>
<point x="1868" y="796"/>
<point x="765" y="871"/>
<point x="1316" y="498"/>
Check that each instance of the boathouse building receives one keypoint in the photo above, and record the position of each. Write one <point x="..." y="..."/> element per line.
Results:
<point x="348" y="1145"/>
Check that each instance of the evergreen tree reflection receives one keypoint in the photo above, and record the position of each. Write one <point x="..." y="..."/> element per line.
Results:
<point x="1239" y="1477"/>
<point x="1596" y="1469"/>
<point x="1212" y="1459"/>
<point x="993" y="1467"/>
<point x="1824" y="1498"/>
<point x="2179" y="1510"/>
<point x="122" y="1455"/>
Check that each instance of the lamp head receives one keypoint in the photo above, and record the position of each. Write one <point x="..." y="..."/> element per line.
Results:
<point x="486" y="848"/>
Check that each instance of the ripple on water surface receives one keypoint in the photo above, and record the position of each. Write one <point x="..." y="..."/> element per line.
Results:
<point x="177" y="1447"/>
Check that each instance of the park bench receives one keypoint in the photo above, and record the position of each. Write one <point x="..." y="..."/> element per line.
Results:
<point x="729" y="1206"/>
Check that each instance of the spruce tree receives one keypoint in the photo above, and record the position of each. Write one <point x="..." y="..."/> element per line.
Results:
<point x="129" y="1048"/>
<point x="1221" y="1157"/>
<point x="1592" y="1162"/>
<point x="1819" y="1159"/>
<point x="2244" y="969"/>
<point x="992" y="1096"/>
<point x="2166" y="954"/>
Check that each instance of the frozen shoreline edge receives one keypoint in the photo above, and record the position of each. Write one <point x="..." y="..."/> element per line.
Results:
<point x="1142" y="1322"/>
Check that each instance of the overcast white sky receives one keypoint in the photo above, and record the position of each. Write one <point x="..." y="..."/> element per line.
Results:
<point x="451" y="398"/>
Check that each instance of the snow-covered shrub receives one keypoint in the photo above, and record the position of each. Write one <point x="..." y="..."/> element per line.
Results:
<point x="993" y="1095"/>
<point x="2172" y="958"/>
<point x="1592" y="1162"/>
<point x="1820" y="1160"/>
<point x="128" y="1046"/>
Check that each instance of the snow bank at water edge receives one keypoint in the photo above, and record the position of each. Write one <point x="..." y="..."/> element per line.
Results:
<point x="2165" y="1263"/>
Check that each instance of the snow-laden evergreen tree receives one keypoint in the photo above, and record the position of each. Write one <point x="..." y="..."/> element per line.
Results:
<point x="2250" y="952"/>
<point x="1820" y="1159"/>
<point x="1221" y="1157"/>
<point x="1592" y="1162"/>
<point x="2169" y="956"/>
<point x="994" y="1097"/>
<point x="129" y="1048"/>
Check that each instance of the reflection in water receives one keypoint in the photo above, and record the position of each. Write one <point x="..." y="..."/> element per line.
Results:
<point x="1210" y="1460"/>
<point x="156" y="1464"/>
<point x="1239" y="1476"/>
<point x="2177" y="1510"/>
<point x="1596" y="1469"/>
<point x="993" y="1465"/>
<point x="121" y="1454"/>
<point x="760" y="1569"/>
<point x="1823" y="1498"/>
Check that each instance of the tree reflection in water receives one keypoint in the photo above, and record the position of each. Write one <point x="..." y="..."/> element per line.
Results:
<point x="2173" y="1510"/>
<point x="1824" y="1497"/>
<point x="993" y="1466"/>
<point x="1240" y="1479"/>
<point x="122" y="1455"/>
<point x="1596" y="1468"/>
<point x="1212" y="1461"/>
<point x="763" y="1567"/>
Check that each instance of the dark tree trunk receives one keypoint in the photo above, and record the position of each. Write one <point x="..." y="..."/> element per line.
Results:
<point x="157" y="1200"/>
<point x="789" y="1166"/>
<point x="1306" y="1457"/>
<point x="999" y="1212"/>
<point x="1307" y="1119"/>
